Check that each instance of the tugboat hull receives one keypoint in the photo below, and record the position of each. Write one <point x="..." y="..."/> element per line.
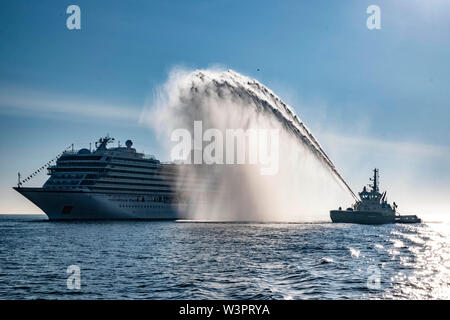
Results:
<point x="361" y="217"/>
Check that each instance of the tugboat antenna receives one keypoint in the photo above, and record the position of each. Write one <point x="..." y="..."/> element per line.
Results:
<point x="375" y="180"/>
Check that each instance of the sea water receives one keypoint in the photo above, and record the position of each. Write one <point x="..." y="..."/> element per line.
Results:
<point x="207" y="260"/>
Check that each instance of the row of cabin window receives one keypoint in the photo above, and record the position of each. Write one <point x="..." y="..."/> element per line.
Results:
<point x="126" y="206"/>
<point x="67" y="176"/>
<point x="72" y="182"/>
<point x="62" y="188"/>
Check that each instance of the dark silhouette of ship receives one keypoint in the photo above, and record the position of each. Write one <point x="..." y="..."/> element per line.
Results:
<point x="372" y="208"/>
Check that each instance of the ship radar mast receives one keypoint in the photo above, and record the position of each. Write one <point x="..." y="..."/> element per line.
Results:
<point x="375" y="181"/>
<point x="102" y="142"/>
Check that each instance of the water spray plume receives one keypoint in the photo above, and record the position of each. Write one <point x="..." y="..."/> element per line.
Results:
<point x="307" y="183"/>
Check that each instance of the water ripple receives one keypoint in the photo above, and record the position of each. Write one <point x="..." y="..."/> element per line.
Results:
<point x="171" y="260"/>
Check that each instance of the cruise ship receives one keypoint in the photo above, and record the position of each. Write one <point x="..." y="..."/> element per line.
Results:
<point x="107" y="183"/>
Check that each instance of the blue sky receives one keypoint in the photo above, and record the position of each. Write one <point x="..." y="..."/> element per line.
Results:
<point x="373" y="97"/>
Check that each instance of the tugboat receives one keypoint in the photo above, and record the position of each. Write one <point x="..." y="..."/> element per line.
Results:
<point x="373" y="208"/>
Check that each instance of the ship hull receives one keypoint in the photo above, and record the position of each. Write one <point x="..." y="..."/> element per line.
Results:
<point x="79" y="205"/>
<point x="361" y="217"/>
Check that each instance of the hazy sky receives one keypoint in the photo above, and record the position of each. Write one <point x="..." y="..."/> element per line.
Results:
<point x="372" y="97"/>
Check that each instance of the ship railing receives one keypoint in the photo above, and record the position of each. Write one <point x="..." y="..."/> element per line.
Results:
<point x="70" y="152"/>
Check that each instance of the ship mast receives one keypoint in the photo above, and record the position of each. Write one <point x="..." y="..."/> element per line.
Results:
<point x="103" y="142"/>
<point x="375" y="180"/>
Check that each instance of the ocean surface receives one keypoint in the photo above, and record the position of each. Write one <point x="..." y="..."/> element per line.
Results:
<point x="194" y="260"/>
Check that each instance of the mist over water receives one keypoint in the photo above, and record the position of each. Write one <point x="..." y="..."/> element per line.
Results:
<point x="306" y="185"/>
